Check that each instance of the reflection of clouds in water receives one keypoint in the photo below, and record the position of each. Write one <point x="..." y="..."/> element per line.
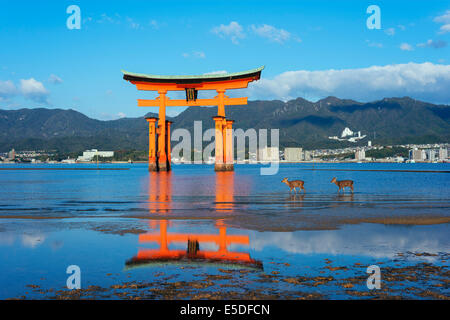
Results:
<point x="6" y="239"/>
<point x="204" y="246"/>
<point x="375" y="241"/>
<point x="32" y="240"/>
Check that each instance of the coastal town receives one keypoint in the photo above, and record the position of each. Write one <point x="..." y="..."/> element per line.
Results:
<point x="409" y="153"/>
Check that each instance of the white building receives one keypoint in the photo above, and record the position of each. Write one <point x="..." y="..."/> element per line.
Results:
<point x="417" y="154"/>
<point x="271" y="154"/>
<point x="307" y="156"/>
<point x="443" y="154"/>
<point x="11" y="154"/>
<point x="293" y="154"/>
<point x="431" y="155"/>
<point x="360" y="154"/>
<point x="89" y="155"/>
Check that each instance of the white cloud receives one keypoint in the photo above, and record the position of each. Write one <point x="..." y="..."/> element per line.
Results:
<point x="216" y="72"/>
<point x="199" y="54"/>
<point x="194" y="54"/>
<point x="426" y="81"/>
<point x="445" y="21"/>
<point x="406" y="47"/>
<point x="104" y="18"/>
<point x="272" y="33"/>
<point x="54" y="79"/>
<point x="133" y="24"/>
<point x="32" y="241"/>
<point x="7" y="89"/>
<point x="387" y="241"/>
<point x="437" y="44"/>
<point x="121" y="115"/>
<point x="390" y="31"/>
<point x="374" y="44"/>
<point x="234" y="31"/>
<point x="34" y="90"/>
<point x="154" y="24"/>
<point x="445" y="28"/>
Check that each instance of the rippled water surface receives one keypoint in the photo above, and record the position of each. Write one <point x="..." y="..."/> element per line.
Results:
<point x="194" y="225"/>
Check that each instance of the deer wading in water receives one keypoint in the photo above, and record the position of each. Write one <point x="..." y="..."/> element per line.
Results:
<point x="342" y="184"/>
<point x="294" y="184"/>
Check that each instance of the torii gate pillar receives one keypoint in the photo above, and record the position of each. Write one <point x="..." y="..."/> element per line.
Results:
<point x="152" y="164"/>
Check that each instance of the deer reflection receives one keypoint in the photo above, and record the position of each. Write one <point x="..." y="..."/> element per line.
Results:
<point x="345" y="197"/>
<point x="343" y="200"/>
<point x="295" y="200"/>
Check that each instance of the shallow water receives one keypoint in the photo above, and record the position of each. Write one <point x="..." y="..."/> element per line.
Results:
<point x="133" y="225"/>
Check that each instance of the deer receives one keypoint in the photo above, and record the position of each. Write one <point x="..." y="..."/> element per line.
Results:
<point x="342" y="184"/>
<point x="294" y="184"/>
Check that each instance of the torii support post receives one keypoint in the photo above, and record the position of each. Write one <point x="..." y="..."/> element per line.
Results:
<point x="158" y="160"/>
<point x="220" y="163"/>
<point x="168" y="149"/>
<point x="224" y="144"/>
<point x="162" y="138"/>
<point x="152" y="163"/>
<point x="228" y="145"/>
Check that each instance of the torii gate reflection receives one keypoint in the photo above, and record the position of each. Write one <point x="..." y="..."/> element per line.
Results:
<point x="159" y="201"/>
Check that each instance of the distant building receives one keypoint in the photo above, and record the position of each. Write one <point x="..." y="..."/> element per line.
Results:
<point x="417" y="154"/>
<point x="430" y="155"/>
<point x="293" y="154"/>
<point x="307" y="155"/>
<point x="67" y="160"/>
<point x="443" y="154"/>
<point x="369" y="143"/>
<point x="89" y="155"/>
<point x="12" y="154"/>
<point x="270" y="154"/>
<point x="360" y="155"/>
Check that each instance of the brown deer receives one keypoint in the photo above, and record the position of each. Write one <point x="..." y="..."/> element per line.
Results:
<point x="342" y="184"/>
<point x="294" y="184"/>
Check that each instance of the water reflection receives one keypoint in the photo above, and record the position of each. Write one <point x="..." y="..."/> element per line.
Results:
<point x="194" y="252"/>
<point x="160" y="199"/>
<point x="295" y="200"/>
<point x="159" y="191"/>
<point x="344" y="197"/>
<point x="224" y="191"/>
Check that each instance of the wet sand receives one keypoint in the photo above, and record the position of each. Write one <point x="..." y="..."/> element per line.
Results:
<point x="418" y="281"/>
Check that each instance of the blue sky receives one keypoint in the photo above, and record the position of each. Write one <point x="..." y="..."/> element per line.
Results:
<point x="310" y="49"/>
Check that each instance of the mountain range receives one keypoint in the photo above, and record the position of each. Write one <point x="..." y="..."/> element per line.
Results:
<point x="301" y="123"/>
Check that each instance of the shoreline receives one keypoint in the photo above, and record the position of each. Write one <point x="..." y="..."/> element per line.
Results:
<point x="207" y="163"/>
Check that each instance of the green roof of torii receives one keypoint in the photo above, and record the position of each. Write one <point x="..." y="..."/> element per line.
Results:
<point x="192" y="78"/>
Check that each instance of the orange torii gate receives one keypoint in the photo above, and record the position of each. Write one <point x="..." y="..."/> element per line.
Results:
<point x="159" y="133"/>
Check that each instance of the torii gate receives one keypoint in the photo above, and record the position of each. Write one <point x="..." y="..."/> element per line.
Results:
<point x="159" y="134"/>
